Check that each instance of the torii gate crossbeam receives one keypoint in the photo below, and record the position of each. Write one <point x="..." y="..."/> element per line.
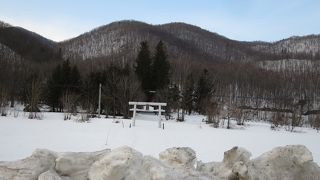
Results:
<point x="159" y="110"/>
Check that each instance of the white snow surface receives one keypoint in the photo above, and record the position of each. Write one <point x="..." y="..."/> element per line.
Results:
<point x="19" y="137"/>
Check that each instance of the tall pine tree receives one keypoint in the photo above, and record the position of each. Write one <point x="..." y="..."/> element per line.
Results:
<point x="204" y="91"/>
<point x="54" y="89"/>
<point x="75" y="80"/>
<point x="188" y="94"/>
<point x="153" y="73"/>
<point x="64" y="79"/>
<point x="143" y="67"/>
<point x="160" y="67"/>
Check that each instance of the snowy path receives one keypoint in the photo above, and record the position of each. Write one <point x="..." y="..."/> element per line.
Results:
<point x="20" y="136"/>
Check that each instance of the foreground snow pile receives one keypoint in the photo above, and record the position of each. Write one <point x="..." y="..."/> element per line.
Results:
<point x="289" y="162"/>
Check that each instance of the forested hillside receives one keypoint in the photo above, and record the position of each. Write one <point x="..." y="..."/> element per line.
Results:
<point x="203" y="71"/>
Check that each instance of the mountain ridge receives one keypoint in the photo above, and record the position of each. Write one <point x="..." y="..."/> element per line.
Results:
<point x="183" y="41"/>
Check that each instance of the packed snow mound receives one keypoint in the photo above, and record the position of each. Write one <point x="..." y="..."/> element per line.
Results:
<point x="118" y="164"/>
<point x="125" y="163"/>
<point x="233" y="166"/>
<point x="49" y="175"/>
<point x="289" y="162"/>
<point x="40" y="161"/>
<point x="236" y="154"/>
<point x="179" y="157"/>
<point x="76" y="165"/>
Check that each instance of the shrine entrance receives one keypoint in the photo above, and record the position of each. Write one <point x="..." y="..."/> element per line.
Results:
<point x="155" y="107"/>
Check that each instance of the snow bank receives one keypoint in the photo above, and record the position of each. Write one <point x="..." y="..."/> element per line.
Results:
<point x="180" y="157"/>
<point x="50" y="175"/>
<point x="29" y="168"/>
<point x="76" y="165"/>
<point x="286" y="163"/>
<point x="289" y="162"/>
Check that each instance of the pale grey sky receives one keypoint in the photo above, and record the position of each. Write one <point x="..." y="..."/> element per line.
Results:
<point x="246" y="20"/>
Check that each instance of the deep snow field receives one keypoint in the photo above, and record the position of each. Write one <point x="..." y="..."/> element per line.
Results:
<point x="20" y="136"/>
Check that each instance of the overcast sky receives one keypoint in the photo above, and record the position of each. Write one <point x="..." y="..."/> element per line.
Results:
<point x="246" y="20"/>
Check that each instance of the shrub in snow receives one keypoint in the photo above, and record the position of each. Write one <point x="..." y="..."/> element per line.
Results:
<point x="80" y="117"/>
<point x="15" y="113"/>
<point x="35" y="115"/>
<point x="3" y="109"/>
<point x="213" y="112"/>
<point x="296" y="119"/>
<point x="240" y="115"/>
<point x="84" y="117"/>
<point x="3" y="112"/>
<point x="69" y="101"/>
<point x="279" y="119"/>
<point x="287" y="121"/>
<point x="317" y="123"/>
<point x="314" y="121"/>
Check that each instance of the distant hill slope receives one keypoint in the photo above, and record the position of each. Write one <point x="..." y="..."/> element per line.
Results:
<point x="300" y="47"/>
<point x="185" y="42"/>
<point x="182" y="40"/>
<point x="27" y="44"/>
<point x="123" y="38"/>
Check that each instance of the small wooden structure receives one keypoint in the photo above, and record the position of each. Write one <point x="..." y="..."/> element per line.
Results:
<point x="146" y="108"/>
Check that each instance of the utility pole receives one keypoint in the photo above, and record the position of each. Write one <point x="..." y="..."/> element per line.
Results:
<point x="99" y="105"/>
<point x="159" y="115"/>
<point x="229" y="109"/>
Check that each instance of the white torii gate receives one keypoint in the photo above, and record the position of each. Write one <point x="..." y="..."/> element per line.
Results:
<point x="145" y="109"/>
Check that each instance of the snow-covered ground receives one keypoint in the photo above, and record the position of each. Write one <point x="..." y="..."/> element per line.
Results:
<point x="20" y="136"/>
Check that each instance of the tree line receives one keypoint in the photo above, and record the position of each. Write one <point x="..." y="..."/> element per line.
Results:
<point x="216" y="89"/>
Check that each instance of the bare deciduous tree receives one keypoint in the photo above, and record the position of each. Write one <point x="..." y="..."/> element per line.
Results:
<point x="3" y="102"/>
<point x="33" y="99"/>
<point x="317" y="122"/>
<point x="128" y="90"/>
<point x="212" y="111"/>
<point x="69" y="101"/>
<point x="296" y="118"/>
<point x="279" y="119"/>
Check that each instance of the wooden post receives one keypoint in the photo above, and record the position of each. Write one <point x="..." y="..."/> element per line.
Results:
<point x="159" y="115"/>
<point x="134" y="115"/>
<point x="99" y="105"/>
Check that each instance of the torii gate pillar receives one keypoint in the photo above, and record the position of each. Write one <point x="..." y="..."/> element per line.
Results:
<point x="159" y="110"/>
<point x="134" y="115"/>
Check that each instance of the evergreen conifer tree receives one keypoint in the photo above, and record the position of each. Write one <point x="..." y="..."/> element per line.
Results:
<point x="204" y="91"/>
<point x="75" y="80"/>
<point x="64" y="79"/>
<point x="188" y="94"/>
<point x="54" y="91"/>
<point x="160" y="67"/>
<point x="143" y="67"/>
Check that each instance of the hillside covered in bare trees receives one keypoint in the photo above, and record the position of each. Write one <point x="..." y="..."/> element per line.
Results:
<point x="207" y="71"/>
